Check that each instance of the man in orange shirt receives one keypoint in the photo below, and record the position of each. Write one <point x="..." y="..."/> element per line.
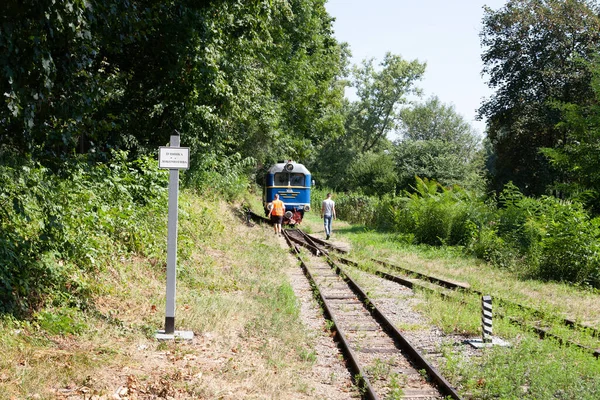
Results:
<point x="276" y="214"/>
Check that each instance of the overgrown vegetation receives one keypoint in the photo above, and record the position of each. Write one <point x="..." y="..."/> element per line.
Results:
<point x="59" y="229"/>
<point x="544" y="238"/>
<point x="231" y="292"/>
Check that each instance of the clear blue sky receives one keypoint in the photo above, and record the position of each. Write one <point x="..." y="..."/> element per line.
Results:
<point x="442" y="33"/>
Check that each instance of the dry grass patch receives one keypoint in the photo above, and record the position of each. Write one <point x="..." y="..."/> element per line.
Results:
<point x="232" y="293"/>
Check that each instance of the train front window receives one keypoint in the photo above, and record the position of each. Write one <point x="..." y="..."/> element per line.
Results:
<point x="285" y="179"/>
<point x="281" y="179"/>
<point x="297" y="179"/>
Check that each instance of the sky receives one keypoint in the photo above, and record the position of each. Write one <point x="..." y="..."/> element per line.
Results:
<point x="442" y="33"/>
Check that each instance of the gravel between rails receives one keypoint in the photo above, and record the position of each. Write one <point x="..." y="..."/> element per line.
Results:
<point x="330" y="378"/>
<point x="399" y="303"/>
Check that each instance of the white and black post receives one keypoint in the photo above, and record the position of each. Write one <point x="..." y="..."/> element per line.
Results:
<point x="486" y="318"/>
<point x="172" y="242"/>
<point x="172" y="158"/>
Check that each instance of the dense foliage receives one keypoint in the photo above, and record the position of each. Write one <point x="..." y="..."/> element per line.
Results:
<point x="92" y="88"/>
<point x="576" y="159"/>
<point x="536" y="52"/>
<point x="543" y="238"/>
<point x="56" y="230"/>
<point x="252" y="77"/>
<point x="382" y="92"/>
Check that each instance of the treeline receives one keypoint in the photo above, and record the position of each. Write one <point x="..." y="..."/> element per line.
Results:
<point x="527" y="197"/>
<point x="91" y="89"/>
<point x="86" y="77"/>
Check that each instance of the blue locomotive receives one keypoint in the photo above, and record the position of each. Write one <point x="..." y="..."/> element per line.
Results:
<point x="292" y="181"/>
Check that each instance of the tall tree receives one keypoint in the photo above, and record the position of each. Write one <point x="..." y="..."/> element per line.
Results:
<point x="535" y="51"/>
<point x="381" y="93"/>
<point x="436" y="120"/>
<point x="436" y="143"/>
<point x="256" y="78"/>
<point x="577" y="157"/>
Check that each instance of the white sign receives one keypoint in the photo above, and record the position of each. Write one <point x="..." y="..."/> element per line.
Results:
<point x="173" y="157"/>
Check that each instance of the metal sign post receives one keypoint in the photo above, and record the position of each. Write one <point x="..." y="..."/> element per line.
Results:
<point x="174" y="158"/>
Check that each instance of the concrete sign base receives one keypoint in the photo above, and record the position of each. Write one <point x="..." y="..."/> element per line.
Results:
<point x="177" y="335"/>
<point x="479" y="343"/>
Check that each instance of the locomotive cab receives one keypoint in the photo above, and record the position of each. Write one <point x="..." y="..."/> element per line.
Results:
<point x="292" y="181"/>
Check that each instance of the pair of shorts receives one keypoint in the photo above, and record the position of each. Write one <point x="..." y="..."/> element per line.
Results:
<point x="277" y="219"/>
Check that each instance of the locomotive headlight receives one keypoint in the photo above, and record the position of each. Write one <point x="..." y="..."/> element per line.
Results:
<point x="289" y="167"/>
<point x="269" y="206"/>
<point x="307" y="208"/>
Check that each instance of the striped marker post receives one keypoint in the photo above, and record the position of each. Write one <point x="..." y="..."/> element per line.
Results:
<point x="486" y="318"/>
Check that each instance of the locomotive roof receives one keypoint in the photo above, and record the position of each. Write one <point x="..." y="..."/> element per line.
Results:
<point x="298" y="168"/>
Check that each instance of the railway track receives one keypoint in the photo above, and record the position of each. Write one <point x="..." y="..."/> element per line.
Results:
<point x="413" y="279"/>
<point x="377" y="376"/>
<point x="384" y="363"/>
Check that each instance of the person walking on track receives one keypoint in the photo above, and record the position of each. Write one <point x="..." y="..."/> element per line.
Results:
<point x="276" y="214"/>
<point x="328" y="213"/>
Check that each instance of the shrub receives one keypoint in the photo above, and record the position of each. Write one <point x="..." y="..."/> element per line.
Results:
<point x="441" y="216"/>
<point x="552" y="238"/>
<point x="58" y="227"/>
<point x="570" y="248"/>
<point x="222" y="176"/>
<point x="351" y="207"/>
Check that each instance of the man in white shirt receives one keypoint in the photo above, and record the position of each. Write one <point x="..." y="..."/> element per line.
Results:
<point x="327" y="213"/>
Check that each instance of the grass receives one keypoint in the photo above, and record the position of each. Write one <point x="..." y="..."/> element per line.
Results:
<point x="231" y="292"/>
<point x="451" y="263"/>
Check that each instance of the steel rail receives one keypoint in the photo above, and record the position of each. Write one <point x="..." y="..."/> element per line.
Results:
<point x="359" y="375"/>
<point x="415" y="356"/>
<point x="404" y="345"/>
<point x="541" y="332"/>
<point x="452" y="285"/>
<point x="594" y="332"/>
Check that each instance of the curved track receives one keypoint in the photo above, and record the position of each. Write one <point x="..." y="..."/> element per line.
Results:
<point x="447" y="288"/>
<point x="384" y="363"/>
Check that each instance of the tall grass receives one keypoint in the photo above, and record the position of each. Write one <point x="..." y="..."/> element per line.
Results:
<point x="544" y="238"/>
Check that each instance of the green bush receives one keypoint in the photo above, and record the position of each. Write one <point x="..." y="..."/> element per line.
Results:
<point x="392" y="215"/>
<point x="570" y="248"/>
<point x="546" y="238"/>
<point x="58" y="227"/>
<point x="440" y="216"/>
<point x="220" y="176"/>
<point x="351" y="207"/>
<point x="489" y="246"/>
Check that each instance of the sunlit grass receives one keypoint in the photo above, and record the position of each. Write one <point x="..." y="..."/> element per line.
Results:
<point x="451" y="263"/>
<point x="231" y="292"/>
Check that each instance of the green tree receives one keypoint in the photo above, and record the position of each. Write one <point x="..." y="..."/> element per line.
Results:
<point x="380" y="93"/>
<point x="437" y="160"/>
<point x="255" y="78"/>
<point x="435" y="120"/>
<point x="577" y="157"/>
<point x="536" y="51"/>
<point x="437" y="143"/>
<point x="373" y="174"/>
